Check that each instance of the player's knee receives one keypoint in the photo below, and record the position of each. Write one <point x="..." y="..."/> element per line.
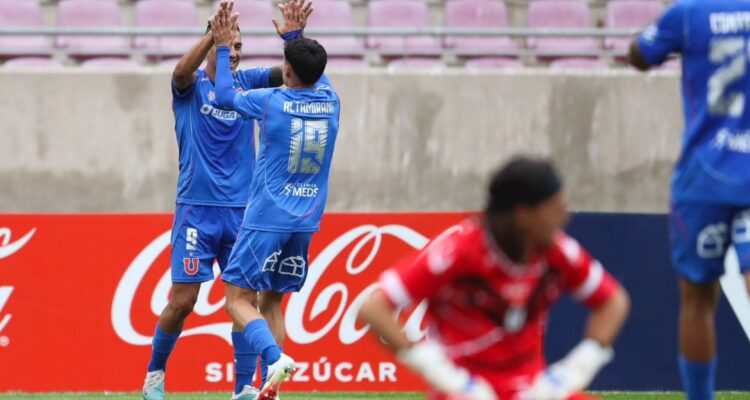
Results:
<point x="270" y="302"/>
<point x="183" y="304"/>
<point x="699" y="297"/>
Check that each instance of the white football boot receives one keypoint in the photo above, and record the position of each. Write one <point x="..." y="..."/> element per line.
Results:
<point x="248" y="393"/>
<point x="153" y="386"/>
<point x="278" y="372"/>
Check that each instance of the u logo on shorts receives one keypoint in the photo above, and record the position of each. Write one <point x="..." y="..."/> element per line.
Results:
<point x="191" y="265"/>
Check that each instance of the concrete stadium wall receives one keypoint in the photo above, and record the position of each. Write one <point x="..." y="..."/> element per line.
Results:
<point x="75" y="141"/>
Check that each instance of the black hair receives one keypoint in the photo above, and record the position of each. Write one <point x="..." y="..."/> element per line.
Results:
<point x="307" y="58"/>
<point x="522" y="181"/>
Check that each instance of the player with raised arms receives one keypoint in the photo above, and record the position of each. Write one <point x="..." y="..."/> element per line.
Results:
<point x="298" y="129"/>
<point x="710" y="204"/>
<point x="489" y="283"/>
<point x="216" y="163"/>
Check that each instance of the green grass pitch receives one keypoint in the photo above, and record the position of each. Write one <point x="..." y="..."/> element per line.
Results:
<point x="339" y="396"/>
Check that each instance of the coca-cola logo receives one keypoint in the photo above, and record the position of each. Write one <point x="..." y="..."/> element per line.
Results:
<point x="297" y="316"/>
<point x="7" y="248"/>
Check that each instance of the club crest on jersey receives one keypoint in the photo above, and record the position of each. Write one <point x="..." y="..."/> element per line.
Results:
<point x="515" y="319"/>
<point x="211" y="95"/>
<point x="191" y="265"/>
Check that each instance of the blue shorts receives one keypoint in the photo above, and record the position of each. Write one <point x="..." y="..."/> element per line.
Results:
<point x="269" y="261"/>
<point x="200" y="235"/>
<point x="700" y="235"/>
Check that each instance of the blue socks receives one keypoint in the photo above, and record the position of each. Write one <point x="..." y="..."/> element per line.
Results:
<point x="245" y="361"/>
<point x="162" y="347"/>
<point x="698" y="378"/>
<point x="264" y="371"/>
<point x="260" y="339"/>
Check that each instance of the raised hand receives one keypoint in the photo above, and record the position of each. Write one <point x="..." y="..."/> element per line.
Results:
<point x="224" y="24"/>
<point x="295" y="13"/>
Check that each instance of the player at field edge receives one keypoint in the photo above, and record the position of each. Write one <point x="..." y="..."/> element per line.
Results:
<point x="489" y="283"/>
<point x="216" y="160"/>
<point x="298" y="130"/>
<point x="710" y="194"/>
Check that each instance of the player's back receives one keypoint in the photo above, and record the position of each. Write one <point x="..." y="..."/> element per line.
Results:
<point x="714" y="40"/>
<point x="298" y="131"/>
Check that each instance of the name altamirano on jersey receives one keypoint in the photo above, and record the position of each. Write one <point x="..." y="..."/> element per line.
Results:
<point x="312" y="107"/>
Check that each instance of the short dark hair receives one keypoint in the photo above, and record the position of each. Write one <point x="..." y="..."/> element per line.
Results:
<point x="307" y="57"/>
<point x="522" y="181"/>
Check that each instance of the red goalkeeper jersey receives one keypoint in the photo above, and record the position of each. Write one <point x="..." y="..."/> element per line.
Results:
<point x="487" y="312"/>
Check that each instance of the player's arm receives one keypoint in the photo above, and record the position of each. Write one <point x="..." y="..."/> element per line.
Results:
<point x="653" y="46"/>
<point x="607" y="319"/>
<point x="593" y="286"/>
<point x="183" y="75"/>
<point x="249" y="103"/>
<point x="295" y="14"/>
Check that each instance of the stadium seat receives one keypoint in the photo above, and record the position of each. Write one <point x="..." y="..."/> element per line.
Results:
<point x="416" y="63"/>
<point x="493" y="63"/>
<point x="166" y="14"/>
<point x="577" y="63"/>
<point x="400" y="14"/>
<point x="336" y="14"/>
<point x="91" y="13"/>
<point x="560" y="14"/>
<point x="110" y="63"/>
<point x="171" y="62"/>
<point x="26" y="63"/>
<point x="624" y="14"/>
<point x="343" y="62"/>
<point x="22" y="13"/>
<point x="257" y="14"/>
<point x="477" y="14"/>
<point x="260" y="62"/>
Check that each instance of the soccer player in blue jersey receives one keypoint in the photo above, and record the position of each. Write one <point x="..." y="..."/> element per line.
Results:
<point x="711" y="184"/>
<point x="298" y="129"/>
<point x="216" y="162"/>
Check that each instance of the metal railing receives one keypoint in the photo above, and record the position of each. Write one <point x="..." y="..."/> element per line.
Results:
<point x="359" y="32"/>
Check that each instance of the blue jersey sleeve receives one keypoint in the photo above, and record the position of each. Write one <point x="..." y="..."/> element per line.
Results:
<point x="250" y="104"/>
<point x="254" y="78"/>
<point x="179" y="95"/>
<point x="666" y="36"/>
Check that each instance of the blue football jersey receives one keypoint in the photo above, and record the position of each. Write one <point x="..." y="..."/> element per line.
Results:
<point x="298" y="129"/>
<point x="216" y="147"/>
<point x="713" y="37"/>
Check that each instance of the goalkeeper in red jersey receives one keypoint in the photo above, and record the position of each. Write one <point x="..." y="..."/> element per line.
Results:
<point x="489" y="283"/>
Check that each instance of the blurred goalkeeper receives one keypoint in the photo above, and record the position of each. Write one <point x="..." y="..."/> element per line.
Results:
<point x="489" y="283"/>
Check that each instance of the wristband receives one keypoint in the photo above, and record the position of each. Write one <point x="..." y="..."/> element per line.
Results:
<point x="292" y="35"/>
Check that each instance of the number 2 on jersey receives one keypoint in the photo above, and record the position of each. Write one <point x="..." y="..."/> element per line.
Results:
<point x="308" y="145"/>
<point x="722" y="102"/>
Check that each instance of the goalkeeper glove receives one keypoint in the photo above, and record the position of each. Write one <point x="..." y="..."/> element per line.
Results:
<point x="571" y="374"/>
<point x="441" y="373"/>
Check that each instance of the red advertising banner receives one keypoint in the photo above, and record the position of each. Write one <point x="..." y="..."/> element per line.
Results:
<point x="80" y="296"/>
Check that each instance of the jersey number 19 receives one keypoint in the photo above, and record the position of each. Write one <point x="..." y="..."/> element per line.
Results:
<point x="308" y="145"/>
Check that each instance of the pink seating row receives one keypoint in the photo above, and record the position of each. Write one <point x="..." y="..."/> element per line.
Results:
<point x="328" y="14"/>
